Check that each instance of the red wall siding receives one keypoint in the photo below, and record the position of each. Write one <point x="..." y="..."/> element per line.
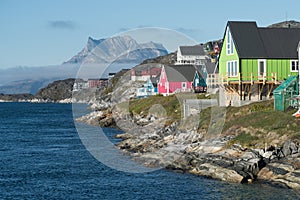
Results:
<point x="173" y="86"/>
<point x="178" y="85"/>
<point x="162" y="82"/>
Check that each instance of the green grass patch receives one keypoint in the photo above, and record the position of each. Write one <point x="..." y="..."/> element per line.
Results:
<point x="245" y="139"/>
<point x="171" y="104"/>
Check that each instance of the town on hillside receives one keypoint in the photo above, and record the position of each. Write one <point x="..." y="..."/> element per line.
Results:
<point x="249" y="64"/>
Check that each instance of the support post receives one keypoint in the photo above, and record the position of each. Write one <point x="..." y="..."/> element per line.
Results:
<point x="240" y="87"/>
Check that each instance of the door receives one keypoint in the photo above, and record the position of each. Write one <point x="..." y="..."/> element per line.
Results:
<point x="261" y="68"/>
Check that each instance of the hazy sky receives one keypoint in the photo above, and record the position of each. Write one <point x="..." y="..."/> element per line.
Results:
<point x="48" y="32"/>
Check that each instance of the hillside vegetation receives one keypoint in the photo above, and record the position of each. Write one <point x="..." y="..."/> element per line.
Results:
<point x="254" y="125"/>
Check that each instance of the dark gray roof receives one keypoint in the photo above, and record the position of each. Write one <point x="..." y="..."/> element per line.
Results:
<point x="254" y="42"/>
<point x="181" y="73"/>
<point x="210" y="67"/>
<point x="192" y="50"/>
<point x="155" y="80"/>
<point x="247" y="39"/>
<point x="281" y="42"/>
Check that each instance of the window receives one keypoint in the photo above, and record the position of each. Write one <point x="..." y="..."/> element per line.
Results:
<point x="232" y="68"/>
<point x="294" y="65"/>
<point x="229" y="43"/>
<point x="183" y="85"/>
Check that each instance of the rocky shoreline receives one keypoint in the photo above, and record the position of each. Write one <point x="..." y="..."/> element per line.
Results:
<point x="35" y="100"/>
<point x="149" y="141"/>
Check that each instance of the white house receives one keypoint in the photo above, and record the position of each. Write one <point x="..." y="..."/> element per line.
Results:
<point x="148" y="89"/>
<point x="191" y="55"/>
<point x="80" y="84"/>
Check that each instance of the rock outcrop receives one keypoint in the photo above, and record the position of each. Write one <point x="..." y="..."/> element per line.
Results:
<point x="153" y="143"/>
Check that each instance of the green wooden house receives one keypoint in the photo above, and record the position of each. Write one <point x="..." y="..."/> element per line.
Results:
<point x="254" y="60"/>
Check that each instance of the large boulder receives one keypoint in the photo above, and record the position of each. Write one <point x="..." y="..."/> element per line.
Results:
<point x="281" y="174"/>
<point x="289" y="148"/>
<point x="217" y="172"/>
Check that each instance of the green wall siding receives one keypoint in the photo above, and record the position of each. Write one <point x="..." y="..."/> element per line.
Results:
<point x="224" y="58"/>
<point x="279" y="66"/>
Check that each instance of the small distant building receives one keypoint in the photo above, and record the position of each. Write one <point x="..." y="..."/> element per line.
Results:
<point x="111" y="75"/>
<point x="199" y="84"/>
<point x="145" y="74"/>
<point x="181" y="78"/>
<point x="191" y="55"/>
<point x="217" y="49"/>
<point x="79" y="84"/>
<point x="148" y="89"/>
<point x="103" y="82"/>
<point x="93" y="83"/>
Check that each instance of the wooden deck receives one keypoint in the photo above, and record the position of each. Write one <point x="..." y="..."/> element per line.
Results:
<point x="245" y="85"/>
<point x="249" y="79"/>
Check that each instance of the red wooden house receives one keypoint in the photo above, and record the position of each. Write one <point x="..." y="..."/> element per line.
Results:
<point x="144" y="74"/>
<point x="177" y="78"/>
<point x="102" y="82"/>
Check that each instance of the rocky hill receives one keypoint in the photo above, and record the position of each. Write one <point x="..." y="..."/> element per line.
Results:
<point x="58" y="90"/>
<point x="120" y="49"/>
<point x="286" y="24"/>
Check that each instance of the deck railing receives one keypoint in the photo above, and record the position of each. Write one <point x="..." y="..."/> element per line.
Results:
<point x="249" y="78"/>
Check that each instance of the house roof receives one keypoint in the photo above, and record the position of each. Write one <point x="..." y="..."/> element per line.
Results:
<point x="181" y="73"/>
<point x="211" y="67"/>
<point x="154" y="80"/>
<point x="254" y="42"/>
<point x="192" y="50"/>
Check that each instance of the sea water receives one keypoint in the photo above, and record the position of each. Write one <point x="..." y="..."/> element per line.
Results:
<point x="42" y="157"/>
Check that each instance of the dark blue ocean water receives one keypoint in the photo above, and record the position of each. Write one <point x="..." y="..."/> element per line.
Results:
<point x="42" y="157"/>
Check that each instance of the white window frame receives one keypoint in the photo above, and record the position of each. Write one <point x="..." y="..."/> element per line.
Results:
<point x="296" y="64"/>
<point x="232" y="68"/>
<point x="183" y="85"/>
<point x="229" y="45"/>
<point x="258" y="67"/>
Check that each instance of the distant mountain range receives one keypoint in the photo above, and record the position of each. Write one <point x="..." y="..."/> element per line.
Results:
<point x="30" y="86"/>
<point x="18" y="80"/>
<point x="119" y="49"/>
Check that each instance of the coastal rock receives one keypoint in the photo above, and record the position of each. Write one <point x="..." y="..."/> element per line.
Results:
<point x="152" y="143"/>
<point x="217" y="172"/>
<point x="289" y="148"/>
<point x="98" y="118"/>
<point x="123" y="136"/>
<point x="281" y="174"/>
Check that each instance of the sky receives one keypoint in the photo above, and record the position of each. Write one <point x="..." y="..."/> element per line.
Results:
<point x="49" y="32"/>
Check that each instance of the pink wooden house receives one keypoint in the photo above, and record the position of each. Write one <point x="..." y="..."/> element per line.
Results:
<point x="176" y="78"/>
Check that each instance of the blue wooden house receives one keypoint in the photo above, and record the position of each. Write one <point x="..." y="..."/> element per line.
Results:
<point x="148" y="89"/>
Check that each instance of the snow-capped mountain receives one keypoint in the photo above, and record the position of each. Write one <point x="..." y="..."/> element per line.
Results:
<point x="118" y="49"/>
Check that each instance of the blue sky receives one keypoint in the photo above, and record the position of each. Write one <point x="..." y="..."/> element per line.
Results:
<point x="48" y="32"/>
